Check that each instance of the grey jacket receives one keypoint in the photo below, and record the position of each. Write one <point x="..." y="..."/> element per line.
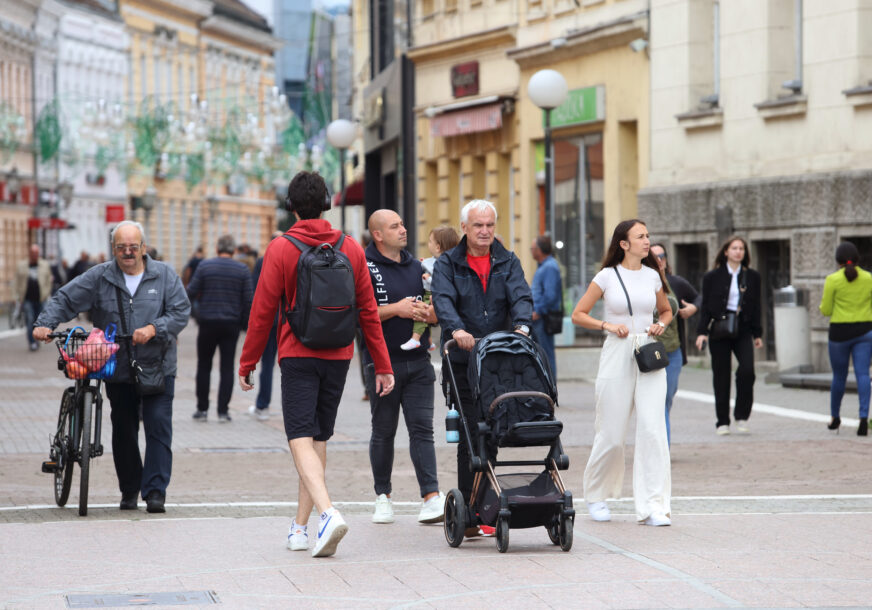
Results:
<point x="160" y="300"/>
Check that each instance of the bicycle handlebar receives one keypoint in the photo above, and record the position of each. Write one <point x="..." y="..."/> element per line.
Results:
<point x="80" y="334"/>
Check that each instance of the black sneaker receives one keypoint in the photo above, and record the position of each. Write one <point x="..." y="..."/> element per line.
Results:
<point x="128" y="501"/>
<point x="154" y="502"/>
<point x="200" y="415"/>
<point x="224" y="418"/>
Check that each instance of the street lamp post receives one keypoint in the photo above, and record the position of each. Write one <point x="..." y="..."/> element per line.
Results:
<point x="547" y="89"/>
<point x="341" y="134"/>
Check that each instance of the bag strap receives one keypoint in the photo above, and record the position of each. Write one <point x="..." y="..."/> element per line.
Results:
<point x="303" y="247"/>
<point x="131" y="362"/>
<point x="626" y="294"/>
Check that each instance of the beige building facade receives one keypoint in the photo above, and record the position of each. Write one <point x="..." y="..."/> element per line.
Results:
<point x="489" y="143"/>
<point x="759" y="123"/>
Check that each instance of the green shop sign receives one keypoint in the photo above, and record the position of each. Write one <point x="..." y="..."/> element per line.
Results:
<point x="585" y="105"/>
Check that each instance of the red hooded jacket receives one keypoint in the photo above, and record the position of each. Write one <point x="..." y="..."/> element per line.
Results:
<point x="279" y="276"/>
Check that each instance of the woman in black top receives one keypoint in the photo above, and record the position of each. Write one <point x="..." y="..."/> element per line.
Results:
<point x="732" y="286"/>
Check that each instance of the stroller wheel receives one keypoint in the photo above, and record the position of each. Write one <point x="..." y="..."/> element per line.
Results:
<point x="454" y="522"/>
<point x="502" y="534"/>
<point x="553" y="530"/>
<point x="566" y="524"/>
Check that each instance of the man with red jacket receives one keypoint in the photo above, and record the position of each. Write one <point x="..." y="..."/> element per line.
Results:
<point x="312" y="379"/>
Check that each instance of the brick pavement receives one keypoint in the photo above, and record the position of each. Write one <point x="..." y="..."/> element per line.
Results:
<point x="780" y="518"/>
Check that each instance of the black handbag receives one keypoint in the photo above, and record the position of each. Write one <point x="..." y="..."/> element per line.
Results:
<point x="727" y="326"/>
<point x="147" y="373"/>
<point x="651" y="356"/>
<point x="554" y="321"/>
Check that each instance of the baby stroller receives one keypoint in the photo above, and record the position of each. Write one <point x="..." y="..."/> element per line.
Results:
<point x="514" y="390"/>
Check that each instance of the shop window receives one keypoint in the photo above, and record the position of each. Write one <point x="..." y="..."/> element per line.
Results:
<point x="579" y="238"/>
<point x="772" y="259"/>
<point x="864" y="246"/>
<point x="479" y="178"/>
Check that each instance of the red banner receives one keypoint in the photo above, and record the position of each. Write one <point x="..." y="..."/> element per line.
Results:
<point x="114" y="213"/>
<point x="46" y="223"/>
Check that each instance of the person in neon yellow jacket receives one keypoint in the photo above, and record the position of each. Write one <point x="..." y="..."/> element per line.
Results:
<point x="847" y="301"/>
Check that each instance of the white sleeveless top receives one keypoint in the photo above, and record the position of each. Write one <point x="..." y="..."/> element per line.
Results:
<point x="642" y="286"/>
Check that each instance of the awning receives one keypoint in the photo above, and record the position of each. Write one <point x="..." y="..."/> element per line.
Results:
<point x="353" y="194"/>
<point x="483" y="118"/>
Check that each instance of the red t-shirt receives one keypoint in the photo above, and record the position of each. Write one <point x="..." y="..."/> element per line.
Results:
<point x="481" y="265"/>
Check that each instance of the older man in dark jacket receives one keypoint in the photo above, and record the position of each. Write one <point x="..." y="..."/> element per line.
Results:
<point x="478" y="288"/>
<point x="155" y="310"/>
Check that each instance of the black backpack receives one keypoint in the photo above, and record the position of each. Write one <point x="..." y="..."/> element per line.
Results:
<point x="324" y="315"/>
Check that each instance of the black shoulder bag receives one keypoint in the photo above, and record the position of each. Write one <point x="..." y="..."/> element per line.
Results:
<point x="148" y="375"/>
<point x="554" y="319"/>
<point x="727" y="326"/>
<point x="651" y="356"/>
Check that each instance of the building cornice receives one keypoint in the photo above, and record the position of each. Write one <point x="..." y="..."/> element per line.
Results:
<point x="503" y="35"/>
<point x="200" y="8"/>
<point x="583" y="41"/>
<point x="234" y="29"/>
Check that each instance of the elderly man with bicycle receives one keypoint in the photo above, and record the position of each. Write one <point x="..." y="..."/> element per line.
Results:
<point x="155" y="309"/>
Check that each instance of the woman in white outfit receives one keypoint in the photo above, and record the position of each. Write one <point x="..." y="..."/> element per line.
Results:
<point x="620" y="386"/>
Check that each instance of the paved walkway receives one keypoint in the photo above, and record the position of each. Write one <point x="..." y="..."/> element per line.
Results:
<point x="778" y="518"/>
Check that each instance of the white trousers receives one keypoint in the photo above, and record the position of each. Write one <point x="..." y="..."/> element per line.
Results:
<point x="620" y="387"/>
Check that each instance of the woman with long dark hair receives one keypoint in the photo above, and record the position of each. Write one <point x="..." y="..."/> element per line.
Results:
<point x="847" y="300"/>
<point x="620" y="386"/>
<point x="731" y="292"/>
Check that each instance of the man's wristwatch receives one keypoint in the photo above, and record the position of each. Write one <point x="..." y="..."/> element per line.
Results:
<point x="523" y="328"/>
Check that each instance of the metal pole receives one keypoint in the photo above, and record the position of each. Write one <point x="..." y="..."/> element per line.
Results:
<point x="342" y="186"/>
<point x="549" y="202"/>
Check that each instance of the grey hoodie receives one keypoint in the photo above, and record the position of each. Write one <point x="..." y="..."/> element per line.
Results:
<point x="160" y="299"/>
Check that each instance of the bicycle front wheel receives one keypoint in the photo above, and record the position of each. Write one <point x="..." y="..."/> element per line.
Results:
<point x="85" y="446"/>
<point x="61" y="451"/>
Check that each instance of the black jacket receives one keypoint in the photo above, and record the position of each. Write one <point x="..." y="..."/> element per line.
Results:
<point x="716" y="290"/>
<point x="461" y="303"/>
<point x="683" y="292"/>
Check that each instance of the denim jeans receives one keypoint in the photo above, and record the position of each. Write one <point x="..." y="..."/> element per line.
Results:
<point x="547" y="343"/>
<point x="32" y="309"/>
<point x="267" y="364"/>
<point x="414" y="391"/>
<point x="157" y="419"/>
<point x="841" y="352"/>
<point x="673" y="370"/>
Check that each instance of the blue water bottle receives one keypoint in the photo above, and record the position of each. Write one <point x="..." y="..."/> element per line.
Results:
<point x="452" y="426"/>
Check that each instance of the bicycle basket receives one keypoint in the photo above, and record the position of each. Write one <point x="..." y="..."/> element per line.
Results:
<point x="92" y="357"/>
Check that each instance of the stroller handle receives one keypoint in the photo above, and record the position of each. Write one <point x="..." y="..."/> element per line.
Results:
<point x="451" y="343"/>
<point x="520" y="394"/>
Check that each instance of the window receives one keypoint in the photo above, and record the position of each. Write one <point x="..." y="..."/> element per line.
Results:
<point x="428" y="7"/>
<point x="143" y="83"/>
<point x="785" y="47"/>
<point x="704" y="54"/>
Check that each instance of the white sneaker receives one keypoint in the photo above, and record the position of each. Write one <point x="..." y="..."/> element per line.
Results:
<point x="657" y="520"/>
<point x="330" y="531"/>
<point x="599" y="511"/>
<point x="742" y="426"/>
<point x="384" y="510"/>
<point x="433" y="510"/>
<point x="298" y="538"/>
<point x="260" y="414"/>
<point x="722" y="430"/>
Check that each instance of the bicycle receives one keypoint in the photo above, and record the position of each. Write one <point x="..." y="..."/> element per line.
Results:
<point x="78" y="436"/>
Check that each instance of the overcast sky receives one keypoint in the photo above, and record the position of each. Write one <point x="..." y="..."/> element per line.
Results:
<point x="265" y="7"/>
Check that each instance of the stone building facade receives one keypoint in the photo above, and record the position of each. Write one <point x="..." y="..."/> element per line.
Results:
<point x="759" y="116"/>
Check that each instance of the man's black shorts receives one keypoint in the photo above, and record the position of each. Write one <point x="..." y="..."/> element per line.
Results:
<point x="311" y="390"/>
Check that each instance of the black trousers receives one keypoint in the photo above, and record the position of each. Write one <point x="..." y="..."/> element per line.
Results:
<point x="721" y="352"/>
<point x="221" y="335"/>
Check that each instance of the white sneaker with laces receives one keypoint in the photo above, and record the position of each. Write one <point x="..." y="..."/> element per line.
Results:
<point x="742" y="426"/>
<point x="657" y="520"/>
<point x="722" y="430"/>
<point x="433" y="510"/>
<point x="260" y="414"/>
<point x="330" y="531"/>
<point x="298" y="538"/>
<point x="384" y="510"/>
<point x="599" y="511"/>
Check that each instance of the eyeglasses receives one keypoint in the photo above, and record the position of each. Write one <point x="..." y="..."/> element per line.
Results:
<point x="125" y="247"/>
<point x="661" y="256"/>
